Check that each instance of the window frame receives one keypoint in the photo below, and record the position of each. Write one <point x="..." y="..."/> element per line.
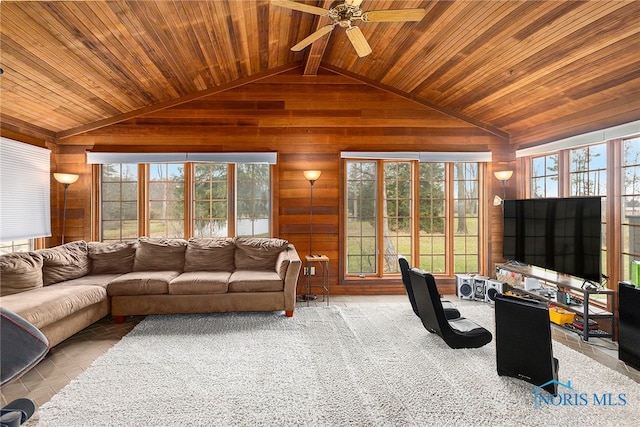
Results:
<point x="450" y="255"/>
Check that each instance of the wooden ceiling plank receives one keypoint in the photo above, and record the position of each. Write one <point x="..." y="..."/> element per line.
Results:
<point x="129" y="115"/>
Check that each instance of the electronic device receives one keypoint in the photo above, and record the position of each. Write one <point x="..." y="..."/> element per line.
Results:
<point x="559" y="234"/>
<point x="523" y="342"/>
<point x="464" y="286"/>
<point x="492" y="288"/>
<point x="531" y="283"/>
<point x="479" y="284"/>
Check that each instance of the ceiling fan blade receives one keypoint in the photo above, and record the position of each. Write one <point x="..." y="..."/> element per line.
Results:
<point x="400" y="15"/>
<point x="311" y="38"/>
<point x="358" y="41"/>
<point x="301" y="7"/>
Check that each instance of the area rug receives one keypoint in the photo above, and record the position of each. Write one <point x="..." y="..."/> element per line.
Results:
<point x="372" y="365"/>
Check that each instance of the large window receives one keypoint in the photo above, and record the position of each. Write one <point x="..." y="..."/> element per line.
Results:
<point x="610" y="170"/>
<point x="382" y="220"/>
<point x="184" y="200"/>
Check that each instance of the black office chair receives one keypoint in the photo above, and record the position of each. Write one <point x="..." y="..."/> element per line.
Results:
<point x="450" y="310"/>
<point x="523" y="342"/>
<point x="22" y="346"/>
<point x="457" y="333"/>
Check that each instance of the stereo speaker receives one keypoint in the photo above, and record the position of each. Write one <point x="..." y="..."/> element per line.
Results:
<point x="492" y="288"/>
<point x="464" y="286"/>
<point x="479" y="284"/>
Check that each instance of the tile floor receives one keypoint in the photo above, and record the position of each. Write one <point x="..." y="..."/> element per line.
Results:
<point x="68" y="359"/>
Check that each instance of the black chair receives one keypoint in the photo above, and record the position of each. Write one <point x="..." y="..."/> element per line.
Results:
<point x="629" y="324"/>
<point x="22" y="346"/>
<point x="450" y="310"/>
<point x="523" y="342"/>
<point x="457" y="333"/>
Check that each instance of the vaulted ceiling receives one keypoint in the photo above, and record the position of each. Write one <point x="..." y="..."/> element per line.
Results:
<point x="529" y="71"/>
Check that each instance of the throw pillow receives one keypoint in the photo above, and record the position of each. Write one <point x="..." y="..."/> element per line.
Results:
<point x="20" y="271"/>
<point x="160" y="255"/>
<point x="210" y="254"/>
<point x="253" y="253"/>
<point x="65" y="262"/>
<point x="112" y="257"/>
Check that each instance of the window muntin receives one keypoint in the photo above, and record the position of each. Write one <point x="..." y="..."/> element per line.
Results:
<point x="544" y="176"/>
<point x="466" y="250"/>
<point x="588" y="177"/>
<point x="432" y="219"/>
<point x="211" y="200"/>
<point x="166" y="200"/>
<point x="362" y="217"/>
<point x="253" y="200"/>
<point x="630" y="207"/>
<point x="16" y="246"/>
<point x="396" y="211"/>
<point x="119" y="202"/>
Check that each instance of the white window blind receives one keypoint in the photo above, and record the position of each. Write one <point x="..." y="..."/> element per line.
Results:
<point x="25" y="193"/>
<point x="107" y="158"/>
<point x="423" y="156"/>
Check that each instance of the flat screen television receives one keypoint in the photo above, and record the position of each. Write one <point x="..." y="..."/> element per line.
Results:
<point x="559" y="234"/>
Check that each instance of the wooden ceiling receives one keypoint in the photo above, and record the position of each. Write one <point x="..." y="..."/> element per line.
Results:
<point x="529" y="71"/>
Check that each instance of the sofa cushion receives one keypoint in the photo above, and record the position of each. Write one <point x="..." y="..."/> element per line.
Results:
<point x="253" y="253"/>
<point x="160" y="255"/>
<point x="112" y="257"/>
<point x="142" y="283"/>
<point x="19" y="272"/>
<point x="65" y="262"/>
<point x="210" y="254"/>
<point x="255" y="281"/>
<point x="93" y="279"/>
<point x="201" y="282"/>
<point x="49" y="304"/>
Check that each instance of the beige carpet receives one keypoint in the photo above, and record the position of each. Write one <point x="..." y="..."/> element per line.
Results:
<point x="327" y="366"/>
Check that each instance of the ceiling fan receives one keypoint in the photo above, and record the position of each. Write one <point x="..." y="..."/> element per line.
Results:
<point x="344" y="13"/>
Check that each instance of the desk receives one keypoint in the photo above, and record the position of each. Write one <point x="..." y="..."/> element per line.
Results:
<point x="323" y="262"/>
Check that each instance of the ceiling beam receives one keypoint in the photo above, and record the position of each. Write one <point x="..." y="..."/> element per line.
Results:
<point x="420" y="100"/>
<point x="173" y="102"/>
<point x="315" y="52"/>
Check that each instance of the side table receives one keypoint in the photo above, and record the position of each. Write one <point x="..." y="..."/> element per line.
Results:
<point x="323" y="262"/>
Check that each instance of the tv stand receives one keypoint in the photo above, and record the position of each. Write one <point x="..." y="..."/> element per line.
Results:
<point x="587" y="310"/>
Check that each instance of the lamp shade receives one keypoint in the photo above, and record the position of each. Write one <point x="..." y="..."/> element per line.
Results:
<point x="66" y="178"/>
<point x="503" y="175"/>
<point x="312" y="175"/>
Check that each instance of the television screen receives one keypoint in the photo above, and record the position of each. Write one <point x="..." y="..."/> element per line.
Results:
<point x="562" y="234"/>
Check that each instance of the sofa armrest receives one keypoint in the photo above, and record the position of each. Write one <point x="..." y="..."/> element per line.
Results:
<point x="291" y="277"/>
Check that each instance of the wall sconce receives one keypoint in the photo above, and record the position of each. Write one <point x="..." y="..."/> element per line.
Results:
<point x="66" y="179"/>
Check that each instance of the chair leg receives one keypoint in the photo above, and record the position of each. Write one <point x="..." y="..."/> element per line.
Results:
<point x="288" y="313"/>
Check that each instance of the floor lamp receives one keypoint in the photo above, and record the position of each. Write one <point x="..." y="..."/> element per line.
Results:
<point x="503" y="177"/>
<point x="66" y="179"/>
<point x="312" y="177"/>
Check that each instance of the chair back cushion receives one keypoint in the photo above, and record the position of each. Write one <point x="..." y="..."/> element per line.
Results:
<point x="404" y="269"/>
<point x="210" y="254"/>
<point x="65" y="262"/>
<point x="19" y="272"/>
<point x="112" y="257"/>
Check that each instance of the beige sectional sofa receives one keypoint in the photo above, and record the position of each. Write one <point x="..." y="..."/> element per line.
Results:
<point x="64" y="289"/>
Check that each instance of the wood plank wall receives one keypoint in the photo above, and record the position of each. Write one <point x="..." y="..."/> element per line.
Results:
<point x="308" y="120"/>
